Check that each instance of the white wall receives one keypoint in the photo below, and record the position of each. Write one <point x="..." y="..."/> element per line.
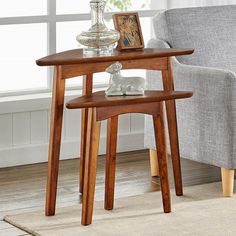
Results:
<point x="24" y="127"/>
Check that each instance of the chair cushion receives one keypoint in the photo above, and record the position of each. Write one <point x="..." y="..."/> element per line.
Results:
<point x="210" y="30"/>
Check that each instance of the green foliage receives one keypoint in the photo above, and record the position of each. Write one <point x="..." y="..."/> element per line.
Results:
<point x="121" y="5"/>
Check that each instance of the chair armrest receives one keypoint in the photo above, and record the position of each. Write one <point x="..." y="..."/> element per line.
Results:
<point x="158" y="43"/>
<point x="193" y="72"/>
<point x="207" y="121"/>
<point x="205" y="73"/>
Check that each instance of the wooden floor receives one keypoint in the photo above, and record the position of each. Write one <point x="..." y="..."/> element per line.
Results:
<point x="22" y="189"/>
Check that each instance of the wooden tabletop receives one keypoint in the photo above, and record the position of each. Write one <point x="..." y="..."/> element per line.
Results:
<point x="76" y="56"/>
<point x="99" y="99"/>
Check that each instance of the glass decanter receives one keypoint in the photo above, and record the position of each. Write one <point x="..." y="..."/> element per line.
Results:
<point x="99" y="40"/>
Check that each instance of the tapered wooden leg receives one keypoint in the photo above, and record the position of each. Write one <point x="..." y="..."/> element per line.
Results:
<point x="112" y="125"/>
<point x="227" y="177"/>
<point x="162" y="160"/>
<point x="154" y="163"/>
<point x="90" y="169"/>
<point x="55" y="140"/>
<point x="87" y="89"/>
<point x="168" y="85"/>
<point x="84" y="119"/>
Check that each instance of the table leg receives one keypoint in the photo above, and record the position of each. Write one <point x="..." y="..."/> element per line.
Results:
<point x="168" y="84"/>
<point x="93" y="136"/>
<point x="159" y="131"/>
<point x="87" y="89"/>
<point x="112" y="127"/>
<point x="55" y="140"/>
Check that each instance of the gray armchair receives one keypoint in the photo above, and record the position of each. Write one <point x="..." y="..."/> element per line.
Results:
<point x="207" y="122"/>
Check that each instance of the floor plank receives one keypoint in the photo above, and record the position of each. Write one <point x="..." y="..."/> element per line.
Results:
<point x="4" y="225"/>
<point x="8" y="230"/>
<point x="22" y="189"/>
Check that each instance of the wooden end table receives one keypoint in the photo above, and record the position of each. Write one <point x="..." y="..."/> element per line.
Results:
<point x="72" y="63"/>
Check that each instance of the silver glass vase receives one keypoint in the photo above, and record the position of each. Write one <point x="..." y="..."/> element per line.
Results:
<point x="98" y="40"/>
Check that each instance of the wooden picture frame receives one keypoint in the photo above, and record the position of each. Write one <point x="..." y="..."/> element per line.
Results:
<point x="128" y="25"/>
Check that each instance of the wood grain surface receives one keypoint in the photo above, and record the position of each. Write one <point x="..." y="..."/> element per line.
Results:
<point x="98" y="99"/>
<point x="76" y="56"/>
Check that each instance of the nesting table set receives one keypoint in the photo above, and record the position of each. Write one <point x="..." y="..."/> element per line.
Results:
<point x="96" y="107"/>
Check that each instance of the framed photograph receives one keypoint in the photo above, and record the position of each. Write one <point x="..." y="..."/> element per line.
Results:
<point x="128" y="25"/>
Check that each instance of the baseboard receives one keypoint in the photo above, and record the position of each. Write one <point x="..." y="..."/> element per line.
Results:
<point x="31" y="154"/>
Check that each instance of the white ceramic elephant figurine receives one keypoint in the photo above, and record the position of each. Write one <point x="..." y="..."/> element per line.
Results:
<point x="120" y="85"/>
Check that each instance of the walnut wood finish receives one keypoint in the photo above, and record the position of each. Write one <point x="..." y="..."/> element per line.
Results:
<point x="99" y="99"/>
<point x="104" y="113"/>
<point x="168" y="84"/>
<point x="87" y="89"/>
<point x="76" y="56"/>
<point x="93" y="135"/>
<point x="157" y="113"/>
<point x="70" y="71"/>
<point x="112" y="126"/>
<point x="55" y="140"/>
<point x="92" y="151"/>
<point x="101" y="107"/>
<point x="72" y="63"/>
<point x="159" y="131"/>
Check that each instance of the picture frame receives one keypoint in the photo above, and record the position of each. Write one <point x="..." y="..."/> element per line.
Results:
<point x="128" y="25"/>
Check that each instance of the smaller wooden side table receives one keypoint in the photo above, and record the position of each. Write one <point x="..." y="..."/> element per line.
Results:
<point x="72" y="63"/>
<point x="101" y="108"/>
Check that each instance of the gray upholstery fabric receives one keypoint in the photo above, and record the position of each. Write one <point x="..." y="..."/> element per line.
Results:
<point x="210" y="30"/>
<point x="207" y="121"/>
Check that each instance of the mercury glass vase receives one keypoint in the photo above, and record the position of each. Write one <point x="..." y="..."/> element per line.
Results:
<point x="98" y="40"/>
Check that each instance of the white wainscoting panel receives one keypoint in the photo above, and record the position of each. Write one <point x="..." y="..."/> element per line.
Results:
<point x="72" y="124"/>
<point x="21" y="128"/>
<point x="38" y="127"/>
<point x="137" y="123"/>
<point x="6" y="130"/>
<point x="124" y="124"/>
<point x="103" y="130"/>
<point x="24" y="135"/>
